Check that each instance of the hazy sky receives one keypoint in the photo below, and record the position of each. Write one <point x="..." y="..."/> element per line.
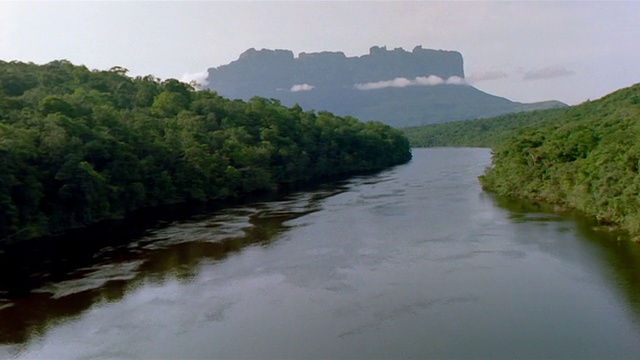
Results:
<point x="524" y="51"/>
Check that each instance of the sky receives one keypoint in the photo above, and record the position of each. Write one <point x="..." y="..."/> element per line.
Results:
<point x="524" y="51"/>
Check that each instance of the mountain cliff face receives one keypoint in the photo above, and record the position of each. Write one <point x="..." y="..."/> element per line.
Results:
<point x="397" y="87"/>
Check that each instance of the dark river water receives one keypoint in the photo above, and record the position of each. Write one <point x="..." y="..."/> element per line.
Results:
<point x="412" y="262"/>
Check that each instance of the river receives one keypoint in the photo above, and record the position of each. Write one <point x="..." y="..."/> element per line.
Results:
<point x="411" y="262"/>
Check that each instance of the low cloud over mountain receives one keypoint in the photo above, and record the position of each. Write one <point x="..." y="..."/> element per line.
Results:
<point x="430" y="80"/>
<point x="398" y="87"/>
<point x="301" y="87"/>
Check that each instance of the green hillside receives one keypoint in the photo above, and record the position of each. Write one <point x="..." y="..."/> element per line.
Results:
<point x="587" y="158"/>
<point x="79" y="146"/>
<point x="476" y="133"/>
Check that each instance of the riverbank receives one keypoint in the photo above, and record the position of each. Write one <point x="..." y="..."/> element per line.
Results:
<point x="67" y="251"/>
<point x="588" y="159"/>
<point x="99" y="145"/>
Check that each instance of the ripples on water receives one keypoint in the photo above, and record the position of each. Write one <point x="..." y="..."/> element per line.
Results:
<point x="413" y="262"/>
<point x="174" y="250"/>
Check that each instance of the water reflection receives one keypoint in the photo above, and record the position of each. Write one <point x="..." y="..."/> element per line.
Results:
<point x="389" y="267"/>
<point x="619" y="255"/>
<point x="623" y="257"/>
<point x="39" y="289"/>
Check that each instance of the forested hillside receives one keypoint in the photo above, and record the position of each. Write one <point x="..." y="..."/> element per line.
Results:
<point x="587" y="159"/>
<point x="476" y="133"/>
<point x="78" y="146"/>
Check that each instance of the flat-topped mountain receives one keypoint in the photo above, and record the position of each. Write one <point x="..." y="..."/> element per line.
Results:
<point x="397" y="87"/>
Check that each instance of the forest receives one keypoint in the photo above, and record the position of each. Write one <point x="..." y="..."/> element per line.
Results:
<point x="487" y="132"/>
<point x="78" y="146"/>
<point x="586" y="157"/>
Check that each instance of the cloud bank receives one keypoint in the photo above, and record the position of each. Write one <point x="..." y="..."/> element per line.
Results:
<point x="301" y="87"/>
<point x="400" y="82"/>
<point x="551" y="72"/>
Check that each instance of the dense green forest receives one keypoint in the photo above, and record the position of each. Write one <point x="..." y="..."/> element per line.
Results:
<point x="78" y="146"/>
<point x="476" y="133"/>
<point x="587" y="158"/>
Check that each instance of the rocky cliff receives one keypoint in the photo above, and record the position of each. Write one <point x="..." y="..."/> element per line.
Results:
<point x="398" y="87"/>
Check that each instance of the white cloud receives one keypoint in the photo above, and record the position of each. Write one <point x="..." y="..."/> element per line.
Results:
<point x="301" y="87"/>
<point x="456" y="80"/>
<point x="486" y="76"/>
<point x="429" y="80"/>
<point x="200" y="78"/>
<point x="400" y="82"/>
<point x="550" y="72"/>
<point x="397" y="83"/>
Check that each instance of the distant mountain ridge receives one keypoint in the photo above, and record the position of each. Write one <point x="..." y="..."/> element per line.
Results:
<point x="397" y="87"/>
